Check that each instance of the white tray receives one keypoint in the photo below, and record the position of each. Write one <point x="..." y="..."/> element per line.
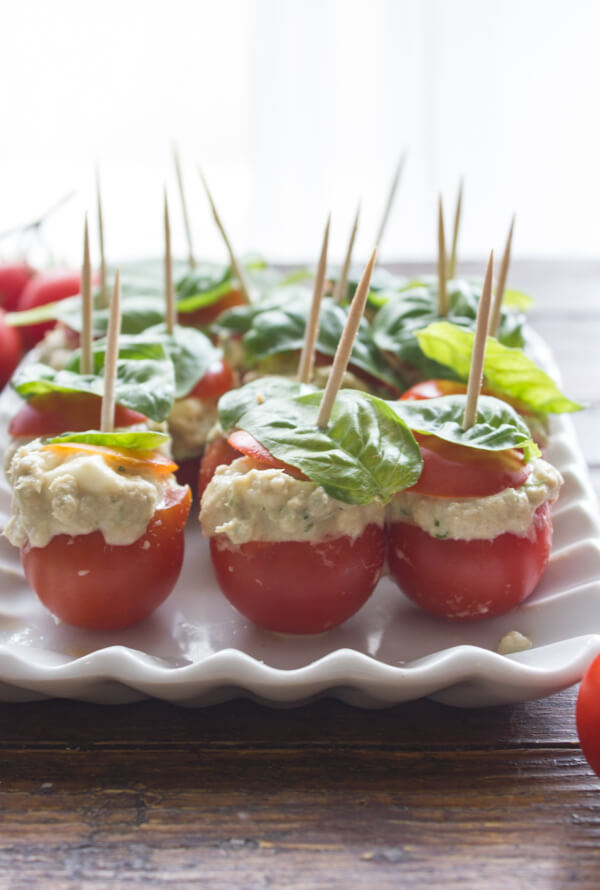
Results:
<point x="197" y="650"/>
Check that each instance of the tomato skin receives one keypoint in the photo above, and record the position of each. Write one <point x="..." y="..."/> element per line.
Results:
<point x="247" y="444"/>
<point x="98" y="586"/>
<point x="433" y="389"/>
<point x="54" y="413"/>
<point x="298" y="587"/>
<point x="217" y="453"/>
<point x="11" y="350"/>
<point x="13" y="279"/>
<point x="42" y="289"/>
<point x="456" y="471"/>
<point x="588" y="715"/>
<point x="469" y="579"/>
<point x="207" y="314"/>
<point x="218" y="379"/>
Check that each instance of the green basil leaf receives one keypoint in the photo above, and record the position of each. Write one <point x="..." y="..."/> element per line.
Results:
<point x="139" y="440"/>
<point x="396" y="323"/>
<point x="498" y="427"/>
<point x="366" y="453"/>
<point x="237" y="401"/>
<point x="240" y="319"/>
<point x="516" y="299"/>
<point x="507" y="371"/>
<point x="145" y="379"/>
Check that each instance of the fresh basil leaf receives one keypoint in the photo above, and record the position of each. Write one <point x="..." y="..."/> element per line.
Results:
<point x="507" y="372"/>
<point x="139" y="440"/>
<point x="366" y="453"/>
<point x="237" y="401"/>
<point x="396" y="323"/>
<point x="240" y="319"/>
<point x="516" y="299"/>
<point x="498" y="427"/>
<point x="145" y="379"/>
<point x="199" y="299"/>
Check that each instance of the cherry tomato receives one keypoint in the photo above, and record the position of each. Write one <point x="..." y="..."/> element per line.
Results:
<point x="46" y="288"/>
<point x="588" y="715"/>
<point x="451" y="470"/>
<point x="204" y="316"/>
<point x="218" y="379"/>
<point x="13" y="278"/>
<point x="11" y="350"/>
<point x="247" y="444"/>
<point x="54" y="413"/>
<point x="217" y="453"/>
<point x="298" y="587"/>
<point x="98" y="586"/>
<point x="469" y="579"/>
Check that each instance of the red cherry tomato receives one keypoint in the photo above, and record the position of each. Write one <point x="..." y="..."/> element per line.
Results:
<point x="469" y="579"/>
<point x="46" y="288"/>
<point x="433" y="389"/>
<point x="207" y="314"/>
<point x="54" y="413"/>
<point x="11" y="350"/>
<point x="13" y="278"/>
<point x="247" y="444"/>
<point x="217" y="453"/>
<point x="218" y="379"/>
<point x="98" y="586"/>
<point x="588" y="715"/>
<point x="451" y="471"/>
<point x="298" y="587"/>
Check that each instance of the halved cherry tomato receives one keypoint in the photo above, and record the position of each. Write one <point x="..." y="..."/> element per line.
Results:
<point x="207" y="314"/>
<point x="217" y="453"/>
<point x="98" y="586"/>
<point x="13" y="278"/>
<point x="46" y="288"/>
<point x="247" y="444"/>
<point x="54" y="413"/>
<point x="469" y="579"/>
<point x="299" y="587"/>
<point x="11" y="350"/>
<point x="218" y="379"/>
<point x="451" y="470"/>
<point x="588" y="715"/>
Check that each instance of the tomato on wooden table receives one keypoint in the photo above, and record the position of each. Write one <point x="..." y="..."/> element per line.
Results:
<point x="588" y="715"/>
<point x="476" y="578"/>
<point x="98" y="586"/>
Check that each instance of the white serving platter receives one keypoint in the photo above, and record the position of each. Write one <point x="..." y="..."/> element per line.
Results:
<point x="197" y="650"/>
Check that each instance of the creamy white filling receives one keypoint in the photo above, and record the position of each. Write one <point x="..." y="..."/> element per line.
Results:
<point x="247" y="504"/>
<point x="77" y="495"/>
<point x="190" y="423"/>
<point x="56" y="349"/>
<point x="467" y="519"/>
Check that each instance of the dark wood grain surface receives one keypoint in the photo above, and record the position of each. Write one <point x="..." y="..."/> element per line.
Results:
<point x="324" y="796"/>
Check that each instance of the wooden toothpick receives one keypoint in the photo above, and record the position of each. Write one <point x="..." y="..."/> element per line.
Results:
<point x="496" y="313"/>
<point x="186" y="219"/>
<point x="341" y="285"/>
<point x="171" y="310"/>
<point x="307" y="356"/>
<point x="103" y="286"/>
<point x="107" y="416"/>
<point x="344" y="349"/>
<point x="452" y="266"/>
<point x="235" y="264"/>
<point x="441" y="265"/>
<point x="479" y="343"/>
<point x="391" y="197"/>
<point x="87" y="362"/>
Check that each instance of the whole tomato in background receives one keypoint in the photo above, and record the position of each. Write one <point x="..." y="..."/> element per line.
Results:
<point x="47" y="287"/>
<point x="588" y="715"/>
<point x="14" y="277"/>
<point x="11" y="350"/>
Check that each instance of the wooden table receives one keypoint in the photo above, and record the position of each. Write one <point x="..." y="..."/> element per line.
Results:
<point x="324" y="796"/>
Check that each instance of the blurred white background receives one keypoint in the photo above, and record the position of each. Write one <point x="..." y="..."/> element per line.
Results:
<point x="298" y="107"/>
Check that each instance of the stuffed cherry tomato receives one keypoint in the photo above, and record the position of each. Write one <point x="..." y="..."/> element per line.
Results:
<point x="13" y="279"/>
<point x="100" y="530"/>
<point x="287" y="555"/>
<point x="472" y="538"/>
<point x="46" y="288"/>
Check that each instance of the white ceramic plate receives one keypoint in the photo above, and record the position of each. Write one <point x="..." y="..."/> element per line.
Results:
<point x="196" y="649"/>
